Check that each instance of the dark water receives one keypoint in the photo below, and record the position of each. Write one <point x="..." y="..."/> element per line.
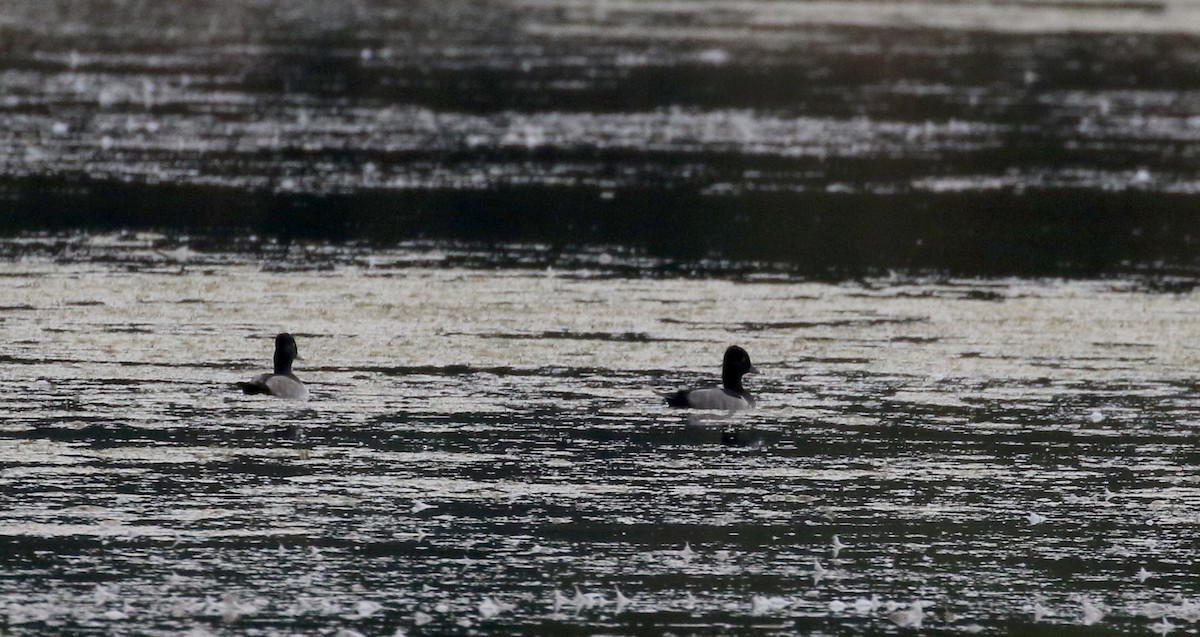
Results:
<point x="838" y="139"/>
<point x="957" y="237"/>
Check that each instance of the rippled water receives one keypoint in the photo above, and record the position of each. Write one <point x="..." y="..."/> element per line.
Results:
<point x="479" y="437"/>
<point x="498" y="227"/>
<point x="996" y="138"/>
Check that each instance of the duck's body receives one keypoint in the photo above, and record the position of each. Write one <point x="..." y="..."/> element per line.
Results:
<point x="730" y="396"/>
<point x="711" y="398"/>
<point x="282" y="383"/>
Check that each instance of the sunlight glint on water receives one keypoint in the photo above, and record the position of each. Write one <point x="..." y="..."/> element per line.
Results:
<point x="481" y="438"/>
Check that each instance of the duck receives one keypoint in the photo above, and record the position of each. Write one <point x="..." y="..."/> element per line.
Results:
<point x="282" y="383"/>
<point x="730" y="396"/>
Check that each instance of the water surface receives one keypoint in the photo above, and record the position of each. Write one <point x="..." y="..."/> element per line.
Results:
<point x="481" y="437"/>
<point x="1037" y="138"/>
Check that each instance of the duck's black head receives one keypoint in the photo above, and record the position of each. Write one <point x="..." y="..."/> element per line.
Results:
<point x="285" y="352"/>
<point x="737" y="364"/>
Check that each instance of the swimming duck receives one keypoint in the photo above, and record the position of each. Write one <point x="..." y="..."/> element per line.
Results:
<point x="283" y="383"/>
<point x="731" y="396"/>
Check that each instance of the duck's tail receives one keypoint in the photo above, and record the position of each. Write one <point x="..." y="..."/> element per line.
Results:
<point x="677" y="399"/>
<point x="253" y="388"/>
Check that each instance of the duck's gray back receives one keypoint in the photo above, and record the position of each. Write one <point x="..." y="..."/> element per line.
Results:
<point x="718" y="398"/>
<point x="286" y="387"/>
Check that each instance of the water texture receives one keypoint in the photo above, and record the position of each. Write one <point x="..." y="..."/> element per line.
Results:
<point x="484" y="451"/>
<point x="840" y="138"/>
<point x="956" y="237"/>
